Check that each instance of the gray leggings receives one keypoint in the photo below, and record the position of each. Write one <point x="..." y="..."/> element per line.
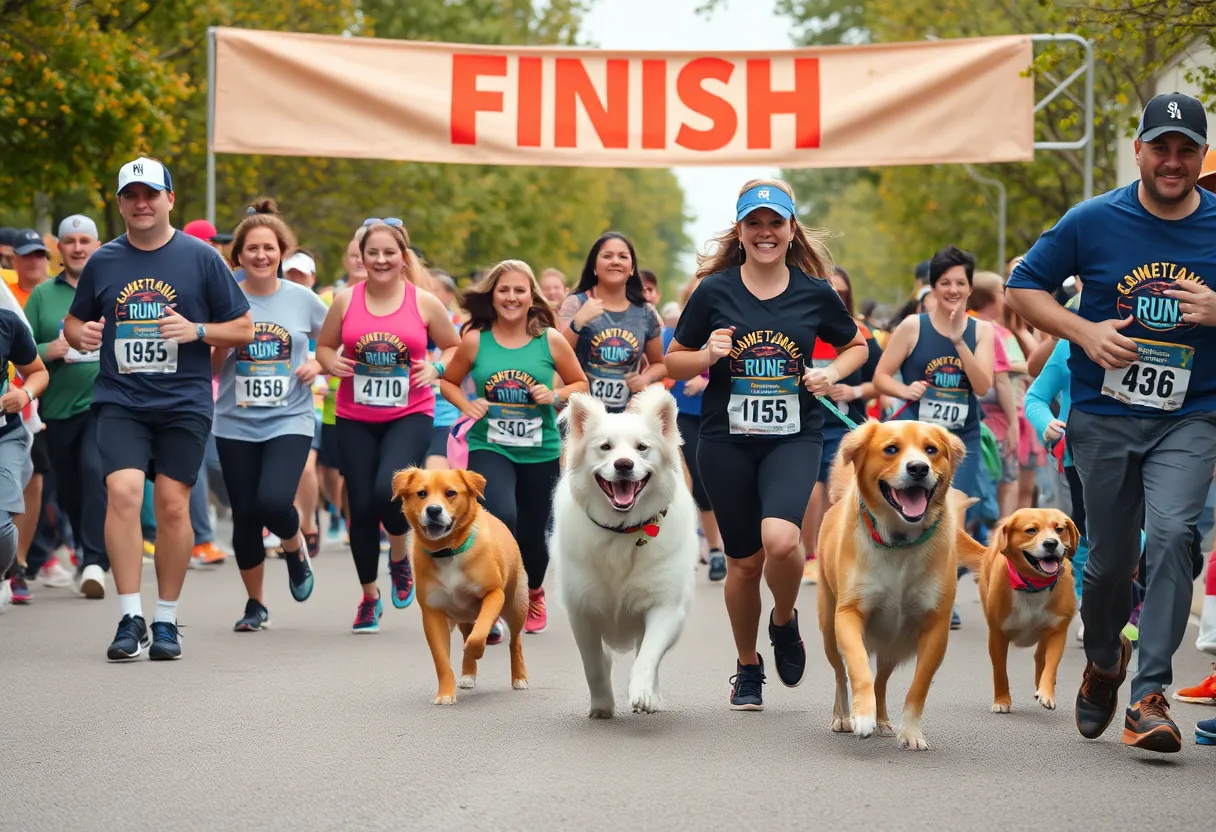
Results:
<point x="16" y="468"/>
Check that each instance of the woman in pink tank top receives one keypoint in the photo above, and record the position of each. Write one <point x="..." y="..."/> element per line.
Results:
<point x="385" y="402"/>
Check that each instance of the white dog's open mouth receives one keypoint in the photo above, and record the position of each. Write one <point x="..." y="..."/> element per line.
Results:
<point x="911" y="502"/>
<point x="622" y="493"/>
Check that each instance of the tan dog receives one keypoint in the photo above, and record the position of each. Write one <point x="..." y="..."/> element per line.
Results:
<point x="467" y="569"/>
<point x="889" y="549"/>
<point x="1026" y="587"/>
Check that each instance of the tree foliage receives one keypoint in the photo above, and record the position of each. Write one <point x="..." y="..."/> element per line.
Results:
<point x="884" y="221"/>
<point x="462" y="217"/>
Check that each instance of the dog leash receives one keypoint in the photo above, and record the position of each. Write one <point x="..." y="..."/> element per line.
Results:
<point x="841" y="415"/>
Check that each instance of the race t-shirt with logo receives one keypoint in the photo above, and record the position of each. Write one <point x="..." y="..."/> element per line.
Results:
<point x="70" y="391"/>
<point x="515" y="425"/>
<point x="260" y="397"/>
<point x="612" y="345"/>
<point x="131" y="289"/>
<point x="382" y="347"/>
<point x="17" y="348"/>
<point x="948" y="400"/>
<point x="757" y="392"/>
<point x="823" y="355"/>
<point x="1127" y="258"/>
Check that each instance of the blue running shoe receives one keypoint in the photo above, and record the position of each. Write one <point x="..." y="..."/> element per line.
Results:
<point x="746" y="693"/>
<point x="166" y="643"/>
<point x="130" y="640"/>
<point x="256" y="617"/>
<point x="299" y="574"/>
<point x="955" y="621"/>
<point x="1205" y="732"/>
<point x="367" y="618"/>
<point x="403" y="582"/>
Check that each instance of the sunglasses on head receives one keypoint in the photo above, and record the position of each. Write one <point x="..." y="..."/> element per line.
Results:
<point x="390" y="221"/>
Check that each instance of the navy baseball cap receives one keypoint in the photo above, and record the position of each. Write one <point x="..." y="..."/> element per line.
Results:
<point x="1173" y="113"/>
<point x="764" y="196"/>
<point x="28" y="241"/>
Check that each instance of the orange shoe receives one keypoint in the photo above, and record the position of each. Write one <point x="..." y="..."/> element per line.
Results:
<point x="1203" y="693"/>
<point x="207" y="554"/>
<point x="810" y="572"/>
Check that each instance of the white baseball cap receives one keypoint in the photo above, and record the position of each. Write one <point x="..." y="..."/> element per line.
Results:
<point x="146" y="171"/>
<point x="78" y="224"/>
<point x="301" y="262"/>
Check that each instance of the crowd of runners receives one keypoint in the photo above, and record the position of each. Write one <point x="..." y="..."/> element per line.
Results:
<point x="170" y="376"/>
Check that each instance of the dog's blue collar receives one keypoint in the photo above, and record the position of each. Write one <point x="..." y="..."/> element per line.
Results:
<point x="449" y="552"/>
<point x="867" y="520"/>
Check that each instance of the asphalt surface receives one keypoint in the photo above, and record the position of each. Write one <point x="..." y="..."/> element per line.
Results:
<point x="309" y="727"/>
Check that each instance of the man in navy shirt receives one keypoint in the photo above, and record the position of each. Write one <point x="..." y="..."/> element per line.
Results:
<point x="1142" y="428"/>
<point x="154" y="302"/>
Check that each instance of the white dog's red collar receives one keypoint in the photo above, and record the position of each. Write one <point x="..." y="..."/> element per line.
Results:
<point x="648" y="529"/>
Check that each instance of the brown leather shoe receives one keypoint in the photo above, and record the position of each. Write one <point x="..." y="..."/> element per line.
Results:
<point x="1148" y="726"/>
<point x="1098" y="696"/>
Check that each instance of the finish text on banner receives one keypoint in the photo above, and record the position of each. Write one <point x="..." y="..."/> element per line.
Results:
<point x="935" y="102"/>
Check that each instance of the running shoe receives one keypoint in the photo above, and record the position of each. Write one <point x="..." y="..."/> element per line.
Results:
<point x="403" y="582"/>
<point x="789" y="653"/>
<point x="313" y="542"/>
<point x="367" y="617"/>
<point x="21" y="590"/>
<point x="496" y="631"/>
<point x="1148" y="726"/>
<point x="810" y="572"/>
<point x="1203" y="693"/>
<point x="166" y="642"/>
<point x="6" y="596"/>
<point x="130" y="640"/>
<point x="93" y="582"/>
<point x="150" y="551"/>
<point x="747" y="692"/>
<point x="300" y="578"/>
<point x="52" y="574"/>
<point x="256" y="617"/>
<point x="1098" y="695"/>
<point x="538" y="618"/>
<point x="955" y="621"/>
<point x="206" y="555"/>
<point x="1205" y="732"/>
<point x="717" y="565"/>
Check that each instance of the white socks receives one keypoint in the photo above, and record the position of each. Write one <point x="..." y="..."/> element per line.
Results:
<point x="131" y="605"/>
<point x="166" y="611"/>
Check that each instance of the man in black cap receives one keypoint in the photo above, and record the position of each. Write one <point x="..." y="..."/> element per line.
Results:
<point x="7" y="234"/>
<point x="1142" y="429"/>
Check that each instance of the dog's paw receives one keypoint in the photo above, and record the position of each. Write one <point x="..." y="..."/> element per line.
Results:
<point x="911" y="738"/>
<point x="885" y="729"/>
<point x="601" y="708"/>
<point x="467" y="682"/>
<point x="474" y="648"/>
<point x="864" y="726"/>
<point x="842" y="725"/>
<point x="1047" y="700"/>
<point x="445" y="699"/>
<point x="1001" y="707"/>
<point x="644" y="700"/>
<point x="519" y="684"/>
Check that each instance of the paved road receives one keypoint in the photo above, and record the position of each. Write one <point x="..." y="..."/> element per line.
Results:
<point x="308" y="727"/>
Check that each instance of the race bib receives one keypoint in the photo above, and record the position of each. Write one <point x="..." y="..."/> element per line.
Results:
<point x="262" y="383"/>
<point x="513" y="425"/>
<point x="609" y="388"/>
<point x="764" y="407"/>
<point x="947" y="408"/>
<point x="382" y="386"/>
<point x="139" y="348"/>
<point x="1158" y="378"/>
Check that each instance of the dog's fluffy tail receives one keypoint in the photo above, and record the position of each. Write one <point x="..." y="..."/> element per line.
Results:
<point x="970" y="552"/>
<point x="839" y="477"/>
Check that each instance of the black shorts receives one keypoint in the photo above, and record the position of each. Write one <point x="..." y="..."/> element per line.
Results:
<point x="439" y="441"/>
<point x="750" y="481"/>
<point x="168" y="442"/>
<point x="690" y="430"/>
<point x="40" y="456"/>
<point x="328" y="455"/>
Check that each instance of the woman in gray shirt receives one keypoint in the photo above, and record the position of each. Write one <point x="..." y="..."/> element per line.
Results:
<point x="264" y="420"/>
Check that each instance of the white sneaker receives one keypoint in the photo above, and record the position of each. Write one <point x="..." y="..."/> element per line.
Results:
<point x="53" y="574"/>
<point x="1081" y="632"/>
<point x="6" y="596"/>
<point x="93" y="582"/>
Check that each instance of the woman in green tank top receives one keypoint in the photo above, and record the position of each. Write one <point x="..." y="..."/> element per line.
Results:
<point x="512" y="349"/>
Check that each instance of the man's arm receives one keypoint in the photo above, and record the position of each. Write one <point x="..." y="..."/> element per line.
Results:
<point x="234" y="333"/>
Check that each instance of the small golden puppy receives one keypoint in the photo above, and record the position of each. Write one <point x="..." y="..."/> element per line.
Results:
<point x="1026" y="587"/>
<point x="889" y="550"/>
<point x="467" y="569"/>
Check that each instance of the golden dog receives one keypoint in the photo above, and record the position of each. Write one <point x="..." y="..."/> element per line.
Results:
<point x="467" y="569"/>
<point x="889" y="549"/>
<point x="1026" y="587"/>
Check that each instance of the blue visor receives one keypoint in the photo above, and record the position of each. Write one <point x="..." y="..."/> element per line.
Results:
<point x="764" y="196"/>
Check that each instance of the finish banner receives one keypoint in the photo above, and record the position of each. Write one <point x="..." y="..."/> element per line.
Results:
<point x="289" y="94"/>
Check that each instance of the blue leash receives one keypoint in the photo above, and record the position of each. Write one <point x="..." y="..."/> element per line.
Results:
<point x="830" y="405"/>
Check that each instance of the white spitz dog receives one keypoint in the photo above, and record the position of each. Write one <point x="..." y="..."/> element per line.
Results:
<point x="625" y="540"/>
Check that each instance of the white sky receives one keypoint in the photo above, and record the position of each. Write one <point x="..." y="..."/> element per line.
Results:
<point x="709" y="192"/>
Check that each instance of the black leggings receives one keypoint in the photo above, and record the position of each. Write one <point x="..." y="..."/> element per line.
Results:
<point x="690" y="430"/>
<point x="521" y="496"/>
<point x="369" y="454"/>
<point x="261" y="478"/>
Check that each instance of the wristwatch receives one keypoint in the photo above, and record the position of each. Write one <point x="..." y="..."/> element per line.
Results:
<point x="201" y="331"/>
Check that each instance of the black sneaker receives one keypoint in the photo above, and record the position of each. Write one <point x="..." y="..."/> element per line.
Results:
<point x="746" y="693"/>
<point x="300" y="578"/>
<point x="717" y="565"/>
<point x="165" y="642"/>
<point x="256" y="617"/>
<point x="129" y="641"/>
<point x="1098" y="697"/>
<point x="789" y="653"/>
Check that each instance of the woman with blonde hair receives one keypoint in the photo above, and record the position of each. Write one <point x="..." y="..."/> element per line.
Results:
<point x="511" y="347"/>
<point x="385" y="403"/>
<point x="763" y="302"/>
